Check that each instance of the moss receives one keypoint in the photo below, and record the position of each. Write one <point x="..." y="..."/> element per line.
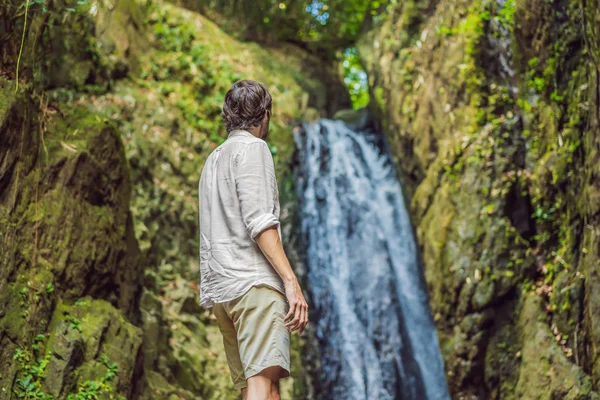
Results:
<point x="66" y="136"/>
<point x="7" y="96"/>
<point x="566" y="304"/>
<point x="546" y="373"/>
<point x="158" y="386"/>
<point x="88" y="340"/>
<point x="14" y="319"/>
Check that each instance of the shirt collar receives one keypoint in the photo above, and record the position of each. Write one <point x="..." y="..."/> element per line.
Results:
<point x="239" y="132"/>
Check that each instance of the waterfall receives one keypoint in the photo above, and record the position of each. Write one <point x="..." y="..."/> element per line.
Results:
<point x="370" y="308"/>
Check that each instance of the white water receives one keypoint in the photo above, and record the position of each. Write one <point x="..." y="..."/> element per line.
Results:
<point x="373" y="322"/>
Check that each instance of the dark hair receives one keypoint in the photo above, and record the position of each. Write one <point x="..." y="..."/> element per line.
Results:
<point x="245" y="105"/>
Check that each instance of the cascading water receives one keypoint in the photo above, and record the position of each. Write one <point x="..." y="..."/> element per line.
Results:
<point x="373" y="323"/>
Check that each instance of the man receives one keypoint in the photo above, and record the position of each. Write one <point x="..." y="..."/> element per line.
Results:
<point x="245" y="275"/>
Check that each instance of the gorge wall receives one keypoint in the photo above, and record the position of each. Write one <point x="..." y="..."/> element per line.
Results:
<point x="101" y="148"/>
<point x="491" y="109"/>
<point x="492" y="112"/>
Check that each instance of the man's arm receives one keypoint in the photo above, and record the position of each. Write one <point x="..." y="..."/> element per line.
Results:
<point x="255" y="186"/>
<point x="272" y="248"/>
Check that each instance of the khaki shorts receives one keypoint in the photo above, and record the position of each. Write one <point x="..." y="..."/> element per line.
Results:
<point x="254" y="333"/>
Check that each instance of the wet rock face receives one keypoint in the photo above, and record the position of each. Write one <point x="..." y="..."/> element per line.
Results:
<point x="69" y="261"/>
<point x="107" y="341"/>
<point x="70" y="269"/>
<point x="98" y="44"/>
<point x="74" y="200"/>
<point x="491" y="110"/>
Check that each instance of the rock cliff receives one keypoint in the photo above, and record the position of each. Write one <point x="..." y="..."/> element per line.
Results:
<point x="491" y="109"/>
<point x="102" y="145"/>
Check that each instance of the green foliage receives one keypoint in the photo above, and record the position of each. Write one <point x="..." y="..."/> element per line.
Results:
<point x="184" y="59"/>
<point x="506" y="15"/>
<point x="355" y="78"/>
<point x="67" y="6"/>
<point x="541" y="77"/>
<point x="542" y="215"/>
<point x="92" y="389"/>
<point x="44" y="6"/>
<point x="74" y="323"/>
<point x="24" y="301"/>
<point x="32" y="371"/>
<point x="320" y="25"/>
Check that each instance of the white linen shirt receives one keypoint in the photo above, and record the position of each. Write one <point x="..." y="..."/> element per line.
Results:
<point x="238" y="199"/>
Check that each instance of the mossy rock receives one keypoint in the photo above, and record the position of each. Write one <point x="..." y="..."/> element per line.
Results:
<point x="92" y="44"/>
<point x="84" y="338"/>
<point x="493" y="126"/>
<point x="545" y="371"/>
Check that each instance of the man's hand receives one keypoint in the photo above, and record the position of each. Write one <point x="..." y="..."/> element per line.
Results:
<point x="298" y="306"/>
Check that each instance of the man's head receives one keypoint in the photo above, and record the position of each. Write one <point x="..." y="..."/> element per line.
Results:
<point x="247" y="106"/>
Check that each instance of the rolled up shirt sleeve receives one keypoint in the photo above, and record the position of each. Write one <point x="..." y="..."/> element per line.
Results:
<point x="255" y="183"/>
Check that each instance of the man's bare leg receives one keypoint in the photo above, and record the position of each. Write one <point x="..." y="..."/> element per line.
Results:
<point x="264" y="385"/>
<point x="275" y="390"/>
